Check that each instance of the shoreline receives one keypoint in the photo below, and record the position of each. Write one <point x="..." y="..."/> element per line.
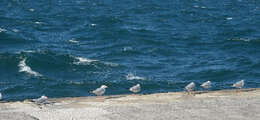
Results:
<point x="124" y="95"/>
<point x="217" y="105"/>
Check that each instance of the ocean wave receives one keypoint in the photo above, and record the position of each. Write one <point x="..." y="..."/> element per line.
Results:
<point x="127" y="49"/>
<point x="241" y="39"/>
<point x="75" y="83"/>
<point x="27" y="69"/>
<point x="131" y="76"/>
<point x="15" y="30"/>
<point x="81" y="60"/>
<point x="29" y="51"/>
<point x="93" y="24"/>
<point x="111" y="64"/>
<point x="2" y="30"/>
<point x="31" y="9"/>
<point x="39" y="23"/>
<point x="25" y="51"/>
<point x="73" y="41"/>
<point x="229" y="18"/>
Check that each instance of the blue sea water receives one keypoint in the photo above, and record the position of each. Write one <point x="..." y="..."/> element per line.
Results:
<point x="67" y="48"/>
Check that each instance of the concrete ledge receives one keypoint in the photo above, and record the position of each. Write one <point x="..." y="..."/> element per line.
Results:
<point x="214" y="105"/>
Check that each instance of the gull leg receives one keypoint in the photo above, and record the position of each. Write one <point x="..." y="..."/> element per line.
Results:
<point x="237" y="90"/>
<point x="99" y="98"/>
<point x="240" y="89"/>
<point x="189" y="92"/>
<point x="207" y="90"/>
<point x="193" y="93"/>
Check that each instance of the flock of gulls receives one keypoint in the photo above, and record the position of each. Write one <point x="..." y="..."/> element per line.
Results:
<point x="137" y="88"/>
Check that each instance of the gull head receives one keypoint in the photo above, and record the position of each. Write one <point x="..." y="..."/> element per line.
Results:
<point x="104" y="86"/>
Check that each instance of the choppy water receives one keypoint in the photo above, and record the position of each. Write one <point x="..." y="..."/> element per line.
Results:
<point x="65" y="48"/>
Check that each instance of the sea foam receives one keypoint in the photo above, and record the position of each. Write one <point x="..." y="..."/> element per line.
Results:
<point x="25" y="68"/>
<point x="86" y="61"/>
<point x="131" y="76"/>
<point x="2" y="30"/>
<point x="81" y="60"/>
<point x="73" y="41"/>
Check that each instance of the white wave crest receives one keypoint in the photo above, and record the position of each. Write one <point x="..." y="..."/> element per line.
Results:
<point x="81" y="60"/>
<point x="15" y="30"/>
<point x="241" y="39"/>
<point x="111" y="64"/>
<point x="73" y="40"/>
<point x="25" y="51"/>
<point x="127" y="49"/>
<point x="24" y="68"/>
<point x="2" y="30"/>
<point x="32" y="10"/>
<point x="29" y="51"/>
<point x="86" y="61"/>
<point x="131" y="76"/>
<point x="39" y="23"/>
<point x="229" y="18"/>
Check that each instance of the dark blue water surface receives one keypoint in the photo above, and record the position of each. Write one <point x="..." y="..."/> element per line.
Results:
<point x="67" y="48"/>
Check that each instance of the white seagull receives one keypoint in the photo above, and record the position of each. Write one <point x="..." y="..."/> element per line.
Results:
<point x="239" y="84"/>
<point x="100" y="91"/>
<point x="0" y="96"/>
<point x="42" y="99"/>
<point x="135" y="89"/>
<point x="190" y="87"/>
<point x="206" y="85"/>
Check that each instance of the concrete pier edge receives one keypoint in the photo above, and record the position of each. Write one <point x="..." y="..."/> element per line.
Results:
<point x="232" y="104"/>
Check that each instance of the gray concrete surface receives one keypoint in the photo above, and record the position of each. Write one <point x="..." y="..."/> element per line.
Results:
<point x="215" y="105"/>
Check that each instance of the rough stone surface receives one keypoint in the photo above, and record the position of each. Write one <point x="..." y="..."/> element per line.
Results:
<point x="16" y="116"/>
<point x="215" y="105"/>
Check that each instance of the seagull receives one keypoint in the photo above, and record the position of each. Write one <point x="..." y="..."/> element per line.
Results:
<point x="239" y="84"/>
<point x="100" y="91"/>
<point x="190" y="87"/>
<point x="0" y="96"/>
<point x="135" y="89"/>
<point x="42" y="99"/>
<point x="206" y="85"/>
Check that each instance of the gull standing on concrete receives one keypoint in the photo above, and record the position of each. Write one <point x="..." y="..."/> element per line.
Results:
<point x="206" y="85"/>
<point x="43" y="99"/>
<point x="190" y="87"/>
<point x="239" y="84"/>
<point x="135" y="89"/>
<point x="100" y="91"/>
